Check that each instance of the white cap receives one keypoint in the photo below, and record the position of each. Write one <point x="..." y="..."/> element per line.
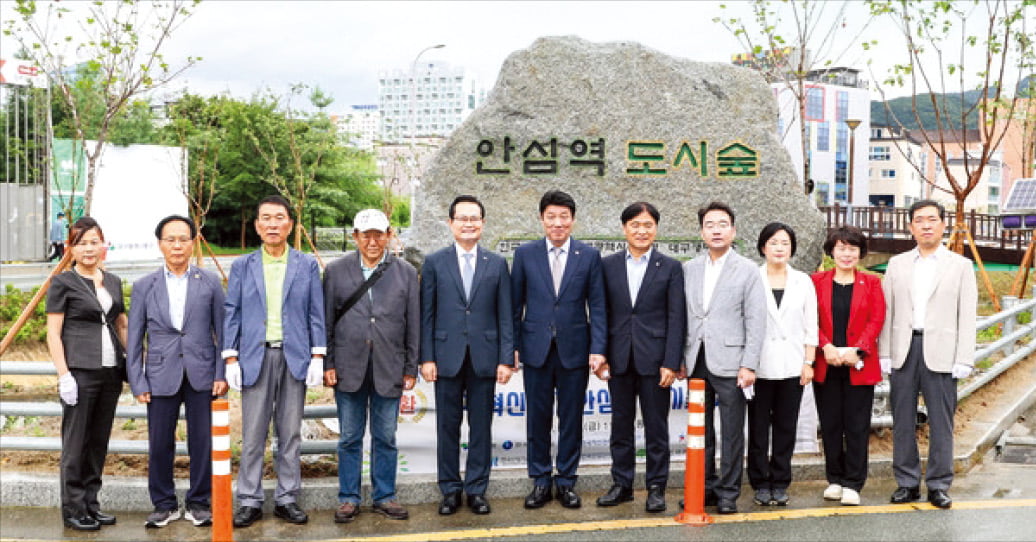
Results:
<point x="371" y="219"/>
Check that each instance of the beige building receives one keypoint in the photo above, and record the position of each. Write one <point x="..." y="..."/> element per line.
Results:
<point x="898" y="165"/>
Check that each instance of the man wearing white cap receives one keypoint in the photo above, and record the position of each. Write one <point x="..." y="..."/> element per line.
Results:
<point x="373" y="310"/>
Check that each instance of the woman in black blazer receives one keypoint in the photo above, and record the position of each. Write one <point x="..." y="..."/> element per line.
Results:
<point x="86" y="336"/>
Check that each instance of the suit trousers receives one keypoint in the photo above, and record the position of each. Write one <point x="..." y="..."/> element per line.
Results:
<point x="772" y="416"/>
<point x="86" y="428"/>
<point x="163" y="413"/>
<point x="276" y="395"/>
<point x="625" y="389"/>
<point x="940" y="398"/>
<point x="541" y="383"/>
<point x="845" y="427"/>
<point x="727" y="483"/>
<point x="465" y="391"/>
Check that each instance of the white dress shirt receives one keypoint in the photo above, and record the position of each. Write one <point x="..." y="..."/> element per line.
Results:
<point x="176" y="286"/>
<point x="713" y="269"/>
<point x="563" y="256"/>
<point x="925" y="273"/>
<point x="460" y="258"/>
<point x="636" y="268"/>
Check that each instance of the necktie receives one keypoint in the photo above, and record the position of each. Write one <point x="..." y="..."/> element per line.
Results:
<point x="555" y="269"/>
<point x="467" y="274"/>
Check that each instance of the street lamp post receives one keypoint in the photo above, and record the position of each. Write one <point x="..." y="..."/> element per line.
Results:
<point x="852" y="124"/>
<point x="413" y="108"/>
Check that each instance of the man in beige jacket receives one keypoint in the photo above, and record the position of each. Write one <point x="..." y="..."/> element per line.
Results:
<point x="928" y="342"/>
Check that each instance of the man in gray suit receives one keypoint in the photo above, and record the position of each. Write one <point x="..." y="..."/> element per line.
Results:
<point x="466" y="348"/>
<point x="175" y="333"/>
<point x="928" y="342"/>
<point x="372" y="304"/>
<point x="726" y="324"/>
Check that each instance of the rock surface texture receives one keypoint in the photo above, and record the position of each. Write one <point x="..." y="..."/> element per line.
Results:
<point x="611" y="124"/>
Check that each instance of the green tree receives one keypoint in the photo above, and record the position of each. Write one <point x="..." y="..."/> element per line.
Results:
<point x="122" y="41"/>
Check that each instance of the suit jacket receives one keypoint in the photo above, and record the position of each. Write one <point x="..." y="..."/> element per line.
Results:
<point x="949" y="327"/>
<point x="302" y="314"/>
<point x="576" y="313"/>
<point x="789" y="328"/>
<point x="383" y="325"/>
<point x="866" y="316"/>
<point x="451" y="324"/>
<point x="158" y="353"/>
<point x="734" y="327"/>
<point x="652" y="330"/>
<point x="75" y="297"/>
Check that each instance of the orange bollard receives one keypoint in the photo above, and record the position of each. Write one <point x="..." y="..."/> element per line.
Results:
<point x="222" y="500"/>
<point x="694" y="469"/>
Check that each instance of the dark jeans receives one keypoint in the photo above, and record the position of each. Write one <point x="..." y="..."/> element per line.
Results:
<point x="772" y="417"/>
<point x="845" y="426"/>
<point x="86" y="428"/>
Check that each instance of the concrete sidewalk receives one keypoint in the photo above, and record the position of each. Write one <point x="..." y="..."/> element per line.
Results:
<point x="130" y="493"/>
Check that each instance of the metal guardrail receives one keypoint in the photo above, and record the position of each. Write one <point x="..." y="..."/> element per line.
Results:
<point x="881" y="417"/>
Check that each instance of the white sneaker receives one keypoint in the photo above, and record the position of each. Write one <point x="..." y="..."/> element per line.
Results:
<point x="833" y="493"/>
<point x="850" y="497"/>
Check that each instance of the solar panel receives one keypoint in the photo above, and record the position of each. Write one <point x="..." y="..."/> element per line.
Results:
<point x="1022" y="196"/>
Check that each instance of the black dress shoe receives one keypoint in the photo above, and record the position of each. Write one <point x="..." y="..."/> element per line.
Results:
<point x="539" y="496"/>
<point x="478" y="504"/>
<point x="568" y="497"/>
<point x="616" y="495"/>
<point x="450" y="503"/>
<point x="247" y="515"/>
<point x="726" y="506"/>
<point x="655" y="499"/>
<point x="83" y="523"/>
<point x="291" y="513"/>
<point x="905" y="494"/>
<point x="102" y="518"/>
<point x="939" y="498"/>
<point x="710" y="500"/>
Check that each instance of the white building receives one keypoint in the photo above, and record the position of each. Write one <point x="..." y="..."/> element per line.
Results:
<point x="833" y="96"/>
<point x="360" y="127"/>
<point x="899" y="165"/>
<point x="433" y="102"/>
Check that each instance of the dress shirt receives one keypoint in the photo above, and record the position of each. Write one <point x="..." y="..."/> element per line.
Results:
<point x="635" y="270"/>
<point x="368" y="271"/>
<point x="176" y="286"/>
<point x="713" y="269"/>
<point x="107" y="346"/>
<point x="563" y="257"/>
<point x="274" y="270"/>
<point x="460" y="258"/>
<point x="925" y="273"/>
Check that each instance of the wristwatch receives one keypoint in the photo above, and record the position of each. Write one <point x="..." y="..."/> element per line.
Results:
<point x="861" y="353"/>
<point x="808" y="362"/>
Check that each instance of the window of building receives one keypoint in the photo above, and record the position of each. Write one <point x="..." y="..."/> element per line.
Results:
<point x="814" y="103"/>
<point x="823" y="136"/>
<point x="880" y="154"/>
<point x="842" y="107"/>
<point x="875" y="133"/>
<point x="842" y="138"/>
<point x="888" y="174"/>
<point x="994" y="192"/>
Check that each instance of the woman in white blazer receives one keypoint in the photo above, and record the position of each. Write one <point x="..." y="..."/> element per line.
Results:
<point x="785" y="366"/>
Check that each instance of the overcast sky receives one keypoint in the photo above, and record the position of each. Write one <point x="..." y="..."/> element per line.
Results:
<point x="342" y="46"/>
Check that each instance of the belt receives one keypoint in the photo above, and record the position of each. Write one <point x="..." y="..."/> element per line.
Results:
<point x="918" y="332"/>
<point x="274" y="344"/>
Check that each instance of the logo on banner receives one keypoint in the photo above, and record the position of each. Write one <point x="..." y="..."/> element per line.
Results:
<point x="413" y="406"/>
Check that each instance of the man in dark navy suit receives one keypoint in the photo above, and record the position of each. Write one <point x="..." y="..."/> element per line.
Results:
<point x="560" y="335"/>
<point x="647" y="320"/>
<point x="466" y="348"/>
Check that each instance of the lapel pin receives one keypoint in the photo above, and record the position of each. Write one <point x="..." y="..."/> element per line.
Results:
<point x="197" y="276"/>
<point x="577" y="253"/>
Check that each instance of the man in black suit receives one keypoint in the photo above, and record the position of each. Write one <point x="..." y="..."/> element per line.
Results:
<point x="646" y="324"/>
<point x="466" y="348"/>
<point x="557" y="294"/>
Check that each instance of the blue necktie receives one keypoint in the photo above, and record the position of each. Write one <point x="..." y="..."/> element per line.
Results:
<point x="467" y="274"/>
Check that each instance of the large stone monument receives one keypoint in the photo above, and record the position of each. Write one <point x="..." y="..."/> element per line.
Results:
<point x="611" y="124"/>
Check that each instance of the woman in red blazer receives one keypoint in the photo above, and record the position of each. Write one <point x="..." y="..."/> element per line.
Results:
<point x="851" y="309"/>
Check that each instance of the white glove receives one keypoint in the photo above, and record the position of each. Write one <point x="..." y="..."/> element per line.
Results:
<point x="315" y="374"/>
<point x="749" y="392"/>
<point x="68" y="389"/>
<point x="960" y="370"/>
<point x="233" y="376"/>
<point x="886" y="366"/>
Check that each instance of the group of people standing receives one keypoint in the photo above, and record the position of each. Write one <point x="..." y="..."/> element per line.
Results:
<point x="637" y="319"/>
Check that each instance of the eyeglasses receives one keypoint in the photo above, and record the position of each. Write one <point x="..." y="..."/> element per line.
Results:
<point x="175" y="240"/>
<point x="468" y="219"/>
